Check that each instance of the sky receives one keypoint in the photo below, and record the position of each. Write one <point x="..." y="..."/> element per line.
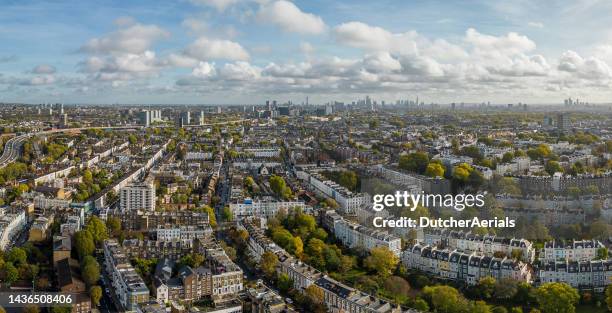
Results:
<point x="248" y="51"/>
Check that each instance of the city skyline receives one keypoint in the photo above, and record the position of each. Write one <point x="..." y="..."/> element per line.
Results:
<point x="243" y="51"/>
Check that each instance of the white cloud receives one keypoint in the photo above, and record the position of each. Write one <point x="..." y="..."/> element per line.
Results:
<point x="488" y="45"/>
<point x="180" y="60"/>
<point x="587" y="68"/>
<point x="536" y="24"/>
<point x="217" y="4"/>
<point x="240" y="71"/>
<point x="381" y="62"/>
<point x="136" y="38"/>
<point x="207" y="49"/>
<point x="204" y="70"/>
<point x="44" y="69"/>
<point x="290" y="18"/>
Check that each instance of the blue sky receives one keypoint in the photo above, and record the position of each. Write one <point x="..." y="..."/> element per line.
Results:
<point x="246" y="51"/>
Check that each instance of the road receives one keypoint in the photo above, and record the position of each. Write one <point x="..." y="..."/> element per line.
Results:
<point x="12" y="150"/>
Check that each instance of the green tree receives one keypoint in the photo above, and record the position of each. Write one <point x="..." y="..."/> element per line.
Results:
<point x="381" y="260"/>
<point x="114" y="226"/>
<point x="84" y="243"/>
<point x="552" y="167"/>
<point x="415" y="162"/>
<point x="11" y="274"/>
<point x="95" y="293"/>
<point x="557" y="298"/>
<point x="90" y="270"/>
<point x="609" y="297"/>
<point x="479" y="307"/>
<point x="420" y="305"/>
<point x="277" y="184"/>
<point x="268" y="263"/>
<point x="227" y="214"/>
<point x="486" y="287"/>
<point x="445" y="299"/>
<point x="17" y="256"/>
<point x="97" y="228"/>
<point x="284" y="283"/>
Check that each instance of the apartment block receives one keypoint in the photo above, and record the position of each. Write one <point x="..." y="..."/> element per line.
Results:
<point x="127" y="285"/>
<point x="137" y="197"/>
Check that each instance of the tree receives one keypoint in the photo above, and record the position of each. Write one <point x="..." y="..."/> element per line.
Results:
<point x="114" y="226"/>
<point x="268" y="263"/>
<point x="17" y="256"/>
<point x="349" y="180"/>
<point x="84" y="243"/>
<point x="508" y="156"/>
<point x="445" y="299"/>
<point x="11" y="274"/>
<point x="499" y="309"/>
<point x="397" y="288"/>
<point x="516" y="309"/>
<point x="461" y="172"/>
<point x="435" y="170"/>
<point x="552" y="167"/>
<point x="381" y="260"/>
<point x="479" y="307"/>
<point x="486" y="287"/>
<point x="415" y="162"/>
<point x="284" y="283"/>
<point x="277" y="184"/>
<point x="95" y="292"/>
<point x="31" y="309"/>
<point x="505" y="288"/>
<point x="211" y="215"/>
<point x="298" y="246"/>
<point x="557" y="298"/>
<point x="97" y="228"/>
<point x="61" y="309"/>
<point x="420" y="305"/>
<point x="227" y="214"/>
<point x="90" y="270"/>
<point x="609" y="297"/>
<point x="315" y="294"/>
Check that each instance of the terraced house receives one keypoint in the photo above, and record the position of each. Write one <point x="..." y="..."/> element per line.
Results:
<point x="468" y="267"/>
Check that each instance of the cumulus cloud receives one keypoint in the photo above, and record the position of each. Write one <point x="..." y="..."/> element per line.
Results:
<point x="587" y="68"/>
<point x="204" y="70"/>
<point x="206" y="49"/>
<point x="43" y="69"/>
<point x="239" y="71"/>
<point x="489" y="45"/>
<point x="136" y="38"/>
<point x="290" y="18"/>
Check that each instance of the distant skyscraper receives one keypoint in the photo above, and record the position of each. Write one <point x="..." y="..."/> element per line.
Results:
<point x="64" y="120"/>
<point x="563" y="121"/>
<point x="145" y="118"/>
